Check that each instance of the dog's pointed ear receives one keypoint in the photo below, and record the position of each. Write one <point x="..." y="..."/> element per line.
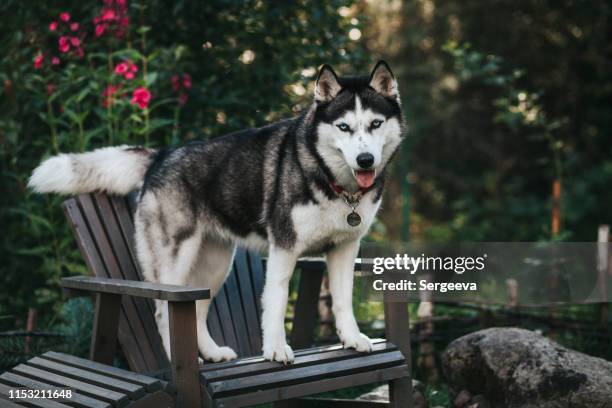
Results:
<point x="383" y="81"/>
<point x="327" y="85"/>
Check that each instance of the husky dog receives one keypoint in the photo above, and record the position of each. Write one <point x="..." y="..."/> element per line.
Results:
<point x="311" y="184"/>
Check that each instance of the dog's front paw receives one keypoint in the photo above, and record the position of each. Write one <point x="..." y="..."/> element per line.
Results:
<point x="358" y="341"/>
<point x="280" y="352"/>
<point x="219" y="354"/>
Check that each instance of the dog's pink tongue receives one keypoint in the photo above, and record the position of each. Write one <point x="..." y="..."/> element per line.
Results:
<point x="365" y="178"/>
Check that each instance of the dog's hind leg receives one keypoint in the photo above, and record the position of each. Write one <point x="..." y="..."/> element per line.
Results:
<point x="175" y="268"/>
<point x="210" y="270"/>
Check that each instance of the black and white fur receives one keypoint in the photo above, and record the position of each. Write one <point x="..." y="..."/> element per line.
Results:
<point x="267" y="189"/>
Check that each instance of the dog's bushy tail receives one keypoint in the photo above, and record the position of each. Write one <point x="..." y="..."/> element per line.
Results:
<point x="115" y="170"/>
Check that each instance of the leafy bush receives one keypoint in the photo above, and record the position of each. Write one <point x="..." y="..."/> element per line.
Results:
<point x="94" y="73"/>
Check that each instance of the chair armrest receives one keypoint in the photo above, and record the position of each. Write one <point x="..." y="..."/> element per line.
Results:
<point x="172" y="293"/>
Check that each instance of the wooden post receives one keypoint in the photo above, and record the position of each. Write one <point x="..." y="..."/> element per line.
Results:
<point x="184" y="353"/>
<point x="397" y="327"/>
<point x="106" y="323"/>
<point x="555" y="222"/>
<point x="603" y="239"/>
<point x="30" y="327"/>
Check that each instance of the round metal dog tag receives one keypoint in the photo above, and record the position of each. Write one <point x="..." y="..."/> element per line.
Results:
<point x="353" y="219"/>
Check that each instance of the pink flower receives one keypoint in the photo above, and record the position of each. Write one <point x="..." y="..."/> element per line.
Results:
<point x="126" y="69"/>
<point x="55" y="61"/>
<point x="100" y="29"/>
<point x="121" y="68"/>
<point x="38" y="60"/>
<point x="141" y="97"/>
<point x="53" y="26"/>
<point x="75" y="41"/>
<point x="74" y="26"/>
<point x="108" y="15"/>
<point x="65" y="17"/>
<point x="50" y="89"/>
<point x="121" y="3"/>
<point x="80" y="53"/>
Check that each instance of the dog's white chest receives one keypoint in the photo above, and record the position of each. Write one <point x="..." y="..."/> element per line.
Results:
<point x="326" y="222"/>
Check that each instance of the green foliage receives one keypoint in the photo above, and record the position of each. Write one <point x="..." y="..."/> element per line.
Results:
<point x="248" y="62"/>
<point x="498" y="107"/>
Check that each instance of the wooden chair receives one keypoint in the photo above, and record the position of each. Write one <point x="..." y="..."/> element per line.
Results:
<point x="124" y="311"/>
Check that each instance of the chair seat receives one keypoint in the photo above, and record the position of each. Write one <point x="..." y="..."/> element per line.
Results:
<point x="93" y="385"/>
<point x="253" y="380"/>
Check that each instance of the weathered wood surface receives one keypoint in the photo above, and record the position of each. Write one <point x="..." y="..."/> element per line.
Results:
<point x="93" y="385"/>
<point x="149" y="290"/>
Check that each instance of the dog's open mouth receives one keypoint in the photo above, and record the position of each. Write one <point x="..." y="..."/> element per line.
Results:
<point x="365" y="178"/>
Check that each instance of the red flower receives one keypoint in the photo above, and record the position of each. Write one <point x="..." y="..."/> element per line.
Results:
<point x="100" y="29"/>
<point x="141" y="97"/>
<point x="74" y="26"/>
<point x="53" y="26"/>
<point x="65" y="17"/>
<point x="75" y="41"/>
<point x="38" y="60"/>
<point x="55" y="61"/>
<point x="64" y="44"/>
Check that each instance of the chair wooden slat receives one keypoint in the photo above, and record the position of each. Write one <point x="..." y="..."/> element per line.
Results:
<point x="238" y="315"/>
<point x="297" y="353"/>
<point x="225" y="318"/>
<point x="314" y="387"/>
<point x="257" y="278"/>
<point x="131" y="390"/>
<point x="130" y="305"/>
<point x="151" y="384"/>
<point x="303" y="360"/>
<point x="248" y="295"/>
<point x="116" y="399"/>
<point x="214" y="324"/>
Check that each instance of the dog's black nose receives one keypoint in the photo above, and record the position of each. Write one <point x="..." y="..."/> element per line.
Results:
<point x="365" y="160"/>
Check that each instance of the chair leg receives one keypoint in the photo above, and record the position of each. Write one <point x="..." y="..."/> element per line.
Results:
<point x="184" y="354"/>
<point x="400" y="393"/>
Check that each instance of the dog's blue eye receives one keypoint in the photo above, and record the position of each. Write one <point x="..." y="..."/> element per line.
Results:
<point x="376" y="123"/>
<point x="343" y="127"/>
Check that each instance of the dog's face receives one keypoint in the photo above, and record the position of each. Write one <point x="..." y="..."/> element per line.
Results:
<point x="358" y="124"/>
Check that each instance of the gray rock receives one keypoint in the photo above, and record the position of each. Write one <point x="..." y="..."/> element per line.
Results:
<point x="516" y="368"/>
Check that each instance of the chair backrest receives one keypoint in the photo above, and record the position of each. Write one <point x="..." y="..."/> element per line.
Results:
<point x="104" y="228"/>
